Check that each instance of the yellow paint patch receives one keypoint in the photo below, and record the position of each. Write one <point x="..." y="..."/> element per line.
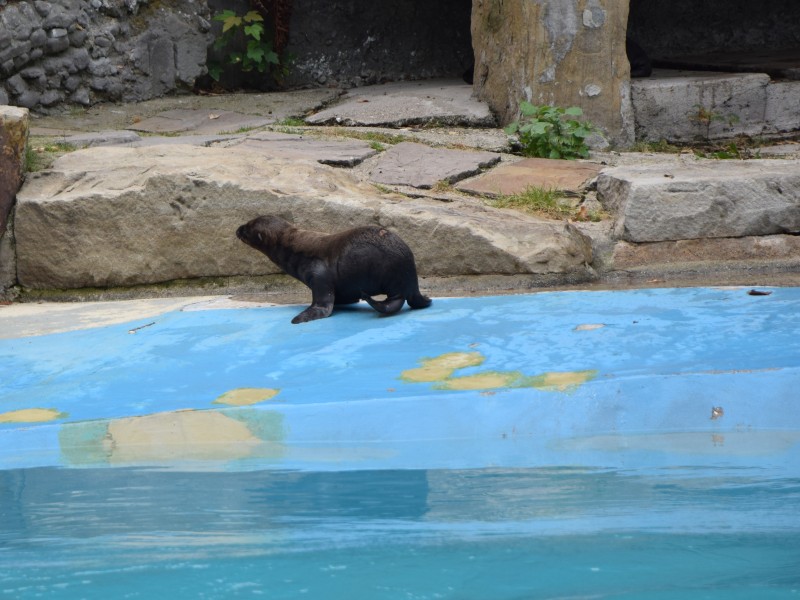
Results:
<point x="180" y="435"/>
<point x="589" y="326"/>
<point x="481" y="381"/>
<point x="246" y="396"/>
<point x="442" y="367"/>
<point x="562" y="382"/>
<point x="31" y="415"/>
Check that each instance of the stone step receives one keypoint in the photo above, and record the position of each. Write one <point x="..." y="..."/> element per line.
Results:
<point x="118" y="216"/>
<point x="705" y="199"/>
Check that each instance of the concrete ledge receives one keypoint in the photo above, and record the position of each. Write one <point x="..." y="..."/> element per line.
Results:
<point x="708" y="199"/>
<point x="667" y="106"/>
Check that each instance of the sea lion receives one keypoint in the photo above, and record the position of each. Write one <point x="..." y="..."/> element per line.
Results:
<point x="340" y="268"/>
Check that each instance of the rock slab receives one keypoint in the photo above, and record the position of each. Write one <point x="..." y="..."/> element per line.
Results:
<point x="444" y="101"/>
<point x="14" y="123"/>
<point x="709" y="199"/>
<point x="200" y="121"/>
<point x="118" y="216"/>
<point x="515" y="178"/>
<point x="421" y="166"/>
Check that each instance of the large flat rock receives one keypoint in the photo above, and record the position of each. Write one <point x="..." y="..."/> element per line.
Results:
<point x="707" y="199"/>
<point x="339" y="153"/>
<point x="118" y="216"/>
<point x="515" y="178"/>
<point x="421" y="166"/>
<point x="200" y="121"/>
<point x="445" y="102"/>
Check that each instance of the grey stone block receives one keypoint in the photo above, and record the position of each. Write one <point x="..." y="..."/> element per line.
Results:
<point x="669" y="107"/>
<point x="783" y="107"/>
<point x="707" y="199"/>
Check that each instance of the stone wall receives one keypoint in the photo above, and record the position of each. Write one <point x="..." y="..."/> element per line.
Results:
<point x="74" y="51"/>
<point x="690" y="27"/>
<point x="360" y="42"/>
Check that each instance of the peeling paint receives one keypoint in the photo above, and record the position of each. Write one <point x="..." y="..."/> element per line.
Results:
<point x="562" y="382"/>
<point x="31" y="415"/>
<point x="481" y="381"/>
<point x="589" y="326"/>
<point x="246" y="396"/>
<point x="174" y="436"/>
<point x="442" y="367"/>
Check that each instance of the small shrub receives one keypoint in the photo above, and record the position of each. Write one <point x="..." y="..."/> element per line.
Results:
<point x="551" y="131"/>
<point x="247" y="30"/>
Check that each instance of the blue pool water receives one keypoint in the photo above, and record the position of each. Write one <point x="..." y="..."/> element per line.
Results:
<point x="575" y="445"/>
<point x="466" y="534"/>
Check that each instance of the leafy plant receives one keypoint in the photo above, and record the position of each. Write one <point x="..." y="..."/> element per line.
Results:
<point x="551" y="131"/>
<point x="245" y="31"/>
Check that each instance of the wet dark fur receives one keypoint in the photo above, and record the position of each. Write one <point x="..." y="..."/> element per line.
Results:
<point x="341" y="268"/>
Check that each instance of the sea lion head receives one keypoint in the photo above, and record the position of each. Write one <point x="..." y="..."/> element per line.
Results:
<point x="262" y="232"/>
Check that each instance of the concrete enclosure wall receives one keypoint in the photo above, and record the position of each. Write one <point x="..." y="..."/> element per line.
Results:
<point x="684" y="27"/>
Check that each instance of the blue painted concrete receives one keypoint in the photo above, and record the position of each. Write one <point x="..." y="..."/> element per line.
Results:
<point x="662" y="360"/>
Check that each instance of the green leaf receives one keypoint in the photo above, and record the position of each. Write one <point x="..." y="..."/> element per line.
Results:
<point x="554" y="154"/>
<point x="253" y="16"/>
<point x="231" y="22"/>
<point x="512" y="128"/>
<point x="528" y="109"/>
<point x="574" y="111"/>
<point x="272" y="58"/>
<point x="255" y="52"/>
<point x="254" y="31"/>
<point x="224" y="15"/>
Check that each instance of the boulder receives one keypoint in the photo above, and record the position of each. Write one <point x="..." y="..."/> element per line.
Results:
<point x="119" y="216"/>
<point x="707" y="199"/>
<point x="14" y="123"/>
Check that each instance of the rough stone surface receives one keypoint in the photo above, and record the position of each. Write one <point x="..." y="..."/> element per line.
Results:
<point x="200" y="121"/>
<point x="668" y="107"/>
<point x="446" y="102"/>
<point x="767" y="247"/>
<point x="421" y="166"/>
<point x="710" y="199"/>
<point x="338" y="153"/>
<point x="782" y="112"/>
<point x="558" y="53"/>
<point x="123" y="216"/>
<point x="84" y="52"/>
<point x="8" y="259"/>
<point x="361" y="42"/>
<point x="516" y="177"/>
<point x="14" y="123"/>
<point x="102" y="138"/>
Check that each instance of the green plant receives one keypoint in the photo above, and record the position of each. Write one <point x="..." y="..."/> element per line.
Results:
<point x="248" y="31"/>
<point x="549" y="202"/>
<point x="706" y="116"/>
<point x="551" y="131"/>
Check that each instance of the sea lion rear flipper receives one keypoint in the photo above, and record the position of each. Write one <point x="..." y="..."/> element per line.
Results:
<point x="386" y="307"/>
<point x="419" y="301"/>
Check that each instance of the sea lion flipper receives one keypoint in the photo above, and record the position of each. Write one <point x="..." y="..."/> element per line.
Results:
<point x="419" y="301"/>
<point x="323" y="294"/>
<point x="386" y="307"/>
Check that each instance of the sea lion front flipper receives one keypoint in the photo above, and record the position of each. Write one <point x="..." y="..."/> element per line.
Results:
<point x="322" y="295"/>
<point x="386" y="307"/>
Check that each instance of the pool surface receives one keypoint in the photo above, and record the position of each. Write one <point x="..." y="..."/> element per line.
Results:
<point x="621" y="444"/>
